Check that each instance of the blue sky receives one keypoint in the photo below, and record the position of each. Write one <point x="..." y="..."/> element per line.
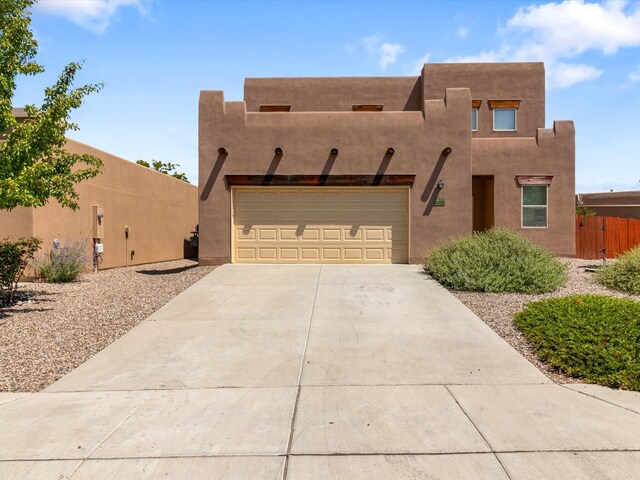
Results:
<point x="155" y="56"/>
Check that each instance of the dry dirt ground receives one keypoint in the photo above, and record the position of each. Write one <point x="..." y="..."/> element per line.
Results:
<point x="497" y="309"/>
<point x="56" y="327"/>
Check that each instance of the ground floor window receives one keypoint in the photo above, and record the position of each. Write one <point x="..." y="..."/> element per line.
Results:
<point x="535" y="206"/>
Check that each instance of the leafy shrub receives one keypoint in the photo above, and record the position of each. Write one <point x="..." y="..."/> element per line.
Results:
<point x="65" y="263"/>
<point x="587" y="212"/>
<point x="593" y="337"/>
<point x="14" y="258"/>
<point x="624" y="274"/>
<point x="498" y="260"/>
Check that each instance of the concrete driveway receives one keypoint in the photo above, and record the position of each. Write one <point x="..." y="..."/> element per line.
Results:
<point x="316" y="372"/>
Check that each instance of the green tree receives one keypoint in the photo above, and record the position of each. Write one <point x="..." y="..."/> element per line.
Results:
<point x="34" y="166"/>
<point x="166" y="168"/>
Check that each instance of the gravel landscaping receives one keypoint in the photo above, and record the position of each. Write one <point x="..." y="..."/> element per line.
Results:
<point x="497" y="309"/>
<point x="56" y="327"/>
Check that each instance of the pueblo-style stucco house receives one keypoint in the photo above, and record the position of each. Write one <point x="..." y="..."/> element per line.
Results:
<point x="380" y="170"/>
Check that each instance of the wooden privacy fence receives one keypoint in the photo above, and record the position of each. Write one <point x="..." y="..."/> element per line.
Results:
<point x="605" y="237"/>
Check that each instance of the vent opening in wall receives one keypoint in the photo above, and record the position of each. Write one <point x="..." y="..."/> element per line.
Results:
<point x="275" y="108"/>
<point x="367" y="108"/>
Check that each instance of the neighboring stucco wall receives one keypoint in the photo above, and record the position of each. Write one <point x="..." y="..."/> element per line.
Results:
<point x="362" y="140"/>
<point x="334" y="94"/>
<point x="494" y="81"/>
<point x="16" y="223"/>
<point x="613" y="204"/>
<point x="552" y="152"/>
<point x="160" y="212"/>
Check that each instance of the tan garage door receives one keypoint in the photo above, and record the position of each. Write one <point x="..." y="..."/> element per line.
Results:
<point x="320" y="225"/>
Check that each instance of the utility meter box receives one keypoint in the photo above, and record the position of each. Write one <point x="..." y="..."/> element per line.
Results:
<point x="97" y="221"/>
<point x="99" y="248"/>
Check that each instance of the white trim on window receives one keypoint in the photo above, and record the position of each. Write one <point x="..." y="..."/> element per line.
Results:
<point x="515" y="120"/>
<point x="523" y="206"/>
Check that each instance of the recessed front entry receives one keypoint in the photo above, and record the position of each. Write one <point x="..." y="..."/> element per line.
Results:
<point x="320" y="225"/>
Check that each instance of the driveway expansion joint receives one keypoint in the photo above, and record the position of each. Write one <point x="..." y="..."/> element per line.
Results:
<point x="599" y="398"/>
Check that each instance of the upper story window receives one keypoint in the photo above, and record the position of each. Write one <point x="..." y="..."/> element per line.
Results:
<point x="505" y="118"/>
<point x="475" y="106"/>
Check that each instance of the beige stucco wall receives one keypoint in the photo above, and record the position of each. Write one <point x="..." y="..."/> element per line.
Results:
<point x="16" y="223"/>
<point x="362" y="140"/>
<point x="334" y="94"/>
<point x="160" y="212"/>
<point x="494" y="81"/>
<point x="613" y="204"/>
<point x="551" y="152"/>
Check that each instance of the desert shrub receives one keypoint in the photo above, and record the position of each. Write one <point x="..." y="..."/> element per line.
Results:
<point x="592" y="337"/>
<point x="498" y="260"/>
<point x="624" y="274"/>
<point x="14" y="258"/>
<point x="65" y="263"/>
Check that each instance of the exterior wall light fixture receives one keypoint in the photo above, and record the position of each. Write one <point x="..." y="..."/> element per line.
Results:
<point x="278" y="151"/>
<point x="390" y="151"/>
<point x="334" y="151"/>
<point x="440" y="184"/>
<point x="222" y="151"/>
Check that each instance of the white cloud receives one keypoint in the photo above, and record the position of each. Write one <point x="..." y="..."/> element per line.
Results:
<point x="389" y="53"/>
<point x="632" y="78"/>
<point x="419" y="63"/>
<point x="462" y="32"/>
<point x="556" y="32"/>
<point x="563" y="75"/>
<point x="371" y="43"/>
<point x="385" y="53"/>
<point x="573" y="27"/>
<point x="92" y="15"/>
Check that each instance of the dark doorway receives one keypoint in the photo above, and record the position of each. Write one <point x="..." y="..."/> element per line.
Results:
<point x="483" y="211"/>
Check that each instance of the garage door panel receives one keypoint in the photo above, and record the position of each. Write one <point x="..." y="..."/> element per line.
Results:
<point x="289" y="216"/>
<point x="331" y="234"/>
<point x="288" y="234"/>
<point x="267" y="234"/>
<point x="289" y="253"/>
<point x="320" y="225"/>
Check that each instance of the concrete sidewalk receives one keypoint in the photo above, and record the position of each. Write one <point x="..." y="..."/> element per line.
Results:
<point x="316" y="372"/>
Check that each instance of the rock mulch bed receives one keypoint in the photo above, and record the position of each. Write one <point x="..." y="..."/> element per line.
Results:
<point x="497" y="310"/>
<point x="56" y="327"/>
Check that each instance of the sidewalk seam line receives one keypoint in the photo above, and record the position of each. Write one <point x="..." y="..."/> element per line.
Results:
<point x="479" y="432"/>
<point x="111" y="433"/>
<point x="295" y="405"/>
<point x="598" y="398"/>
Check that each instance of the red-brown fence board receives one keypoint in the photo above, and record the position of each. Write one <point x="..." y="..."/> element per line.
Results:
<point x="598" y="237"/>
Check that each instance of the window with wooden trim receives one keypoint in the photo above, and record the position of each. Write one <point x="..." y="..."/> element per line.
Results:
<point x="475" y="106"/>
<point x="504" y="120"/>
<point x="535" y="208"/>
